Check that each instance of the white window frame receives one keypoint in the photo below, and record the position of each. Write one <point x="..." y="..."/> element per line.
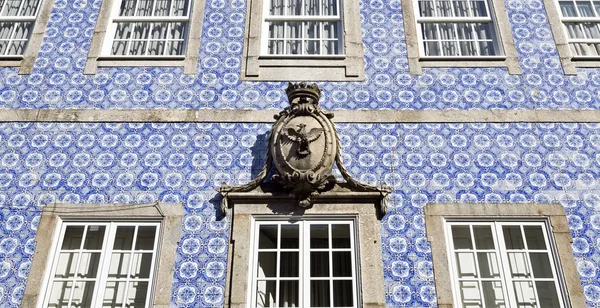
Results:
<point x="267" y="18"/>
<point x="258" y="65"/>
<point x="455" y="20"/>
<point x="25" y="61"/>
<point x="115" y="19"/>
<point x="104" y="262"/>
<point x="503" y="264"/>
<point x="14" y="20"/>
<point x="304" y="257"/>
<point x="99" y="54"/>
<point x="497" y="16"/>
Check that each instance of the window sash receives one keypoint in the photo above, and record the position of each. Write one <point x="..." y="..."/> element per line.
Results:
<point x="581" y="25"/>
<point x="305" y="43"/>
<point x="16" y="26"/>
<point x="142" y="41"/>
<point x="504" y="261"/>
<point x="304" y="258"/>
<point x="103" y="265"/>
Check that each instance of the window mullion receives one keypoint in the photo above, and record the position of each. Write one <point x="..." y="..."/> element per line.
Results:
<point x="155" y="249"/>
<point x="278" y="266"/>
<point x="503" y="257"/>
<point x="128" y="272"/>
<point x="530" y="265"/>
<point x="105" y="259"/>
<point x="74" y="281"/>
<point x="477" y="271"/>
<point x="330" y="260"/>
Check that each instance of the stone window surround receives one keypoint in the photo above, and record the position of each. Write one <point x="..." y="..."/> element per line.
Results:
<point x="361" y="206"/>
<point x="436" y="214"/>
<point x="169" y="214"/>
<point x="505" y="37"/>
<point x="259" y="68"/>
<point x="562" y="43"/>
<point x="189" y="63"/>
<point x="26" y="63"/>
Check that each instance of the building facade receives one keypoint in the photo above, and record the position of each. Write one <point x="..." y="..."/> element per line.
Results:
<point x="121" y="120"/>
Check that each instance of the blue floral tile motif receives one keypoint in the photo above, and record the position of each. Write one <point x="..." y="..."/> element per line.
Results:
<point x="58" y="81"/>
<point x="130" y="163"/>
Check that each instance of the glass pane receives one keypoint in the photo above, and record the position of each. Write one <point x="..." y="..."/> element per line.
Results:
<point x="319" y="264"/>
<point x="136" y="294"/>
<point x="478" y="8"/>
<point x="162" y="7"/>
<point x="290" y="264"/>
<point x="525" y="294"/>
<point x="289" y="236"/>
<point x="94" y="237"/>
<point x="461" y="237"/>
<point x="512" y="237"/>
<point x="276" y="8"/>
<point x="22" y="30"/>
<point x="72" y="238"/>
<point x="267" y="264"/>
<point x="276" y="30"/>
<point x="145" y="238"/>
<point x="119" y="263"/>
<point x="585" y="9"/>
<point x="331" y="47"/>
<point x="10" y="8"/>
<point x="342" y="264"/>
<point x="319" y="236"/>
<point x="487" y="49"/>
<point x="547" y="293"/>
<point x="567" y="8"/>
<point x="466" y="264"/>
<point x="82" y="294"/>
<point x="114" y="294"/>
<point x="180" y="8"/>
<point x="319" y="293"/>
<point x="312" y="30"/>
<point x="311" y="7"/>
<point x="127" y="8"/>
<point x="488" y="265"/>
<point x="177" y="30"/>
<point x="461" y="8"/>
<point x="426" y="8"/>
<point x="289" y="293"/>
<point x="142" y="263"/>
<point x="492" y="294"/>
<point x="469" y="293"/>
<point x="293" y="7"/>
<point x="267" y="237"/>
<point x="265" y="294"/>
<point x="342" y="293"/>
<point x="534" y="235"/>
<point x="444" y="8"/>
<point x="175" y="48"/>
<point x="66" y="265"/>
<point x="59" y="296"/>
<point x="329" y="7"/>
<point x="141" y="30"/>
<point x="340" y="236"/>
<point x="88" y="267"/>
<point x="540" y="264"/>
<point x="144" y="8"/>
<point x="124" y="237"/>
<point x="483" y="237"/>
<point x="518" y="264"/>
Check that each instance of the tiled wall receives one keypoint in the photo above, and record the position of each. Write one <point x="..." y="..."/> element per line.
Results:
<point x="57" y="80"/>
<point x="127" y="163"/>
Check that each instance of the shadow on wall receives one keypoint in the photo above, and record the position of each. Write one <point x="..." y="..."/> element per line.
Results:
<point x="259" y="156"/>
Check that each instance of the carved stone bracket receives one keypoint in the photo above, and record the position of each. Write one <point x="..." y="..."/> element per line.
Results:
<point x="303" y="146"/>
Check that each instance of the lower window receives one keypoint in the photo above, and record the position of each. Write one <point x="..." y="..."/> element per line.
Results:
<point x="503" y="264"/>
<point x="304" y="263"/>
<point x="103" y="264"/>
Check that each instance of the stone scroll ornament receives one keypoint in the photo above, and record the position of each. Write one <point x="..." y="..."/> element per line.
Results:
<point x="303" y="145"/>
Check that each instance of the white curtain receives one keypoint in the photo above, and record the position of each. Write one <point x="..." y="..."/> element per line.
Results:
<point x="581" y="30"/>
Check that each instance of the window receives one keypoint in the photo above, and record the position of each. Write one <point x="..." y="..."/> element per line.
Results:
<point x="448" y="32"/>
<point x="304" y="263"/>
<point x="139" y="31"/>
<point x="502" y="255"/>
<point x="17" y="23"/>
<point x="502" y="263"/>
<point x="314" y="39"/>
<point x="306" y="27"/>
<point x="104" y="256"/>
<point x="103" y="265"/>
<point x="281" y="255"/>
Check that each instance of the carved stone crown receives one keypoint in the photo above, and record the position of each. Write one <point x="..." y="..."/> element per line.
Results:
<point x="307" y="93"/>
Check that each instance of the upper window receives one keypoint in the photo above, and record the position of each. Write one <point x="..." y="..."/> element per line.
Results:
<point x="136" y="31"/>
<point x="103" y="265"/>
<point x="148" y="28"/>
<point x="459" y="33"/>
<point x="580" y="19"/>
<point x="503" y="264"/>
<point x="303" y="27"/>
<point x="304" y="263"/>
<point x="17" y="18"/>
<point x="457" y="28"/>
<point x="307" y="39"/>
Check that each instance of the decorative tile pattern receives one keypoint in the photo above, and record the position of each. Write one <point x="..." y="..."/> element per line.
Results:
<point x="57" y="80"/>
<point x="127" y="163"/>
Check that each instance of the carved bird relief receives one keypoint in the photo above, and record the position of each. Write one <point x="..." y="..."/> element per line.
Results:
<point x="302" y="138"/>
